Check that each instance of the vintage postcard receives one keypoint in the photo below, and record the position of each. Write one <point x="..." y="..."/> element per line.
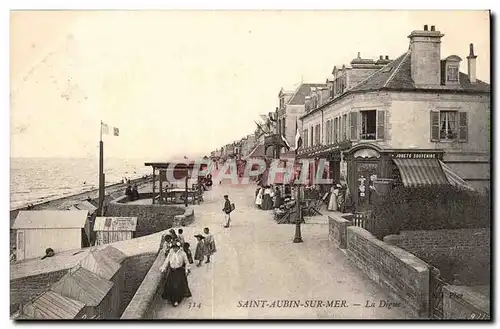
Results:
<point x="170" y="164"/>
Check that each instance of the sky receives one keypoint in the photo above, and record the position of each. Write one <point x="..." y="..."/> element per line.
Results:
<point x="183" y="83"/>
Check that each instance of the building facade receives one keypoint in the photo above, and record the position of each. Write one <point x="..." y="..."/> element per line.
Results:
<point x="380" y="115"/>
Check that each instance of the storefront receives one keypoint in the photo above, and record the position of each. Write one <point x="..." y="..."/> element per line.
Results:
<point x="366" y="163"/>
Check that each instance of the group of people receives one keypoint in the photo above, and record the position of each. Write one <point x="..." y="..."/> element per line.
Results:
<point x="268" y="197"/>
<point x="132" y="193"/>
<point x="178" y="258"/>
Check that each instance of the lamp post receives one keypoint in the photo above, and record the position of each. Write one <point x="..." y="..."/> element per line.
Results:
<point x="298" y="233"/>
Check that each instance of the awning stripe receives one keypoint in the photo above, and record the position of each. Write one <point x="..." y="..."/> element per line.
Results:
<point x="454" y="179"/>
<point x="421" y="172"/>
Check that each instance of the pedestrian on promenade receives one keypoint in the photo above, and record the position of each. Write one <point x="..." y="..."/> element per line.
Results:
<point x="166" y="243"/>
<point x="209" y="244"/>
<point x="278" y="200"/>
<point x="180" y="237"/>
<point x="258" y="199"/>
<point x="228" y="208"/>
<point x="176" y="267"/>
<point x="199" y="254"/>
<point x="173" y="234"/>
<point x="267" y="200"/>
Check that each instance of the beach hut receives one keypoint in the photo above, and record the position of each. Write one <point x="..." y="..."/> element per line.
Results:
<point x="113" y="229"/>
<point x="106" y="263"/>
<point x="92" y="290"/>
<point x="60" y="230"/>
<point x="53" y="306"/>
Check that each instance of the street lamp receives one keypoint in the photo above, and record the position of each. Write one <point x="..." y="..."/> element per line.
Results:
<point x="298" y="233"/>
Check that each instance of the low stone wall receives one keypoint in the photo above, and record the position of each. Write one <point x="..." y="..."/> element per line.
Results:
<point x="151" y="218"/>
<point x="461" y="302"/>
<point x="402" y="274"/>
<point x="135" y="269"/>
<point x="150" y="288"/>
<point x="337" y="232"/>
<point x="465" y="252"/>
<point x="184" y="219"/>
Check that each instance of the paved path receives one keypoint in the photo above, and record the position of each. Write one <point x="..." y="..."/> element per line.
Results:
<point x="256" y="260"/>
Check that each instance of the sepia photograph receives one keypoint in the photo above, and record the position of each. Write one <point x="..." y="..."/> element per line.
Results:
<point x="250" y="164"/>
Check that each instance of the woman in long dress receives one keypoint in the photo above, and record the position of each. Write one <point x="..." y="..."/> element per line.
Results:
<point x="258" y="199"/>
<point x="332" y="205"/>
<point x="267" y="200"/>
<point x="176" y="266"/>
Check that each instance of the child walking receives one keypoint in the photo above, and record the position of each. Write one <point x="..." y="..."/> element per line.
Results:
<point x="199" y="254"/>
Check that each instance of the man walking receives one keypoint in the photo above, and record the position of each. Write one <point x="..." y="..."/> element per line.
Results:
<point x="228" y="208"/>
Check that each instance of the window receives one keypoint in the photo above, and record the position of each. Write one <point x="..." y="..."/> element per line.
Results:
<point x="312" y="136"/>
<point x="344" y="127"/>
<point x="335" y="129"/>
<point x="283" y="131"/>
<point x="448" y="125"/>
<point x="327" y="132"/>
<point x="305" y="134"/>
<point x="452" y="73"/>
<point x="282" y="102"/>
<point x="318" y="135"/>
<point x="369" y="124"/>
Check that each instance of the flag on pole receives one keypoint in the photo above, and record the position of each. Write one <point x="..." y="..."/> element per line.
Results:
<point x="298" y="138"/>
<point x="106" y="131"/>
<point x="285" y="141"/>
<point x="104" y="128"/>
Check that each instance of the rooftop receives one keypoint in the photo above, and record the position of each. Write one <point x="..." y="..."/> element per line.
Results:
<point x="40" y="219"/>
<point x="52" y="305"/>
<point x="84" y="286"/>
<point x="299" y="97"/>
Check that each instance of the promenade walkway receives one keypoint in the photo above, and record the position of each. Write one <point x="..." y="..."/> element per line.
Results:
<point x="256" y="261"/>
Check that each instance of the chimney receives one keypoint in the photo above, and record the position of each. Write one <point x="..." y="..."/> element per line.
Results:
<point x="386" y="57"/>
<point x="381" y="57"/>
<point x="471" y="64"/>
<point x="425" y="48"/>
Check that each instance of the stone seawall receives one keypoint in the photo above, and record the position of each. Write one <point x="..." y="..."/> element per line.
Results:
<point x="402" y="274"/>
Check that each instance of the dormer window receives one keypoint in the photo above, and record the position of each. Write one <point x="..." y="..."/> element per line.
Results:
<point x="451" y="67"/>
<point x="452" y="73"/>
<point x="282" y="102"/>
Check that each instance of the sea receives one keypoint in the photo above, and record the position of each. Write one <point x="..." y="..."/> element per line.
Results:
<point x="35" y="180"/>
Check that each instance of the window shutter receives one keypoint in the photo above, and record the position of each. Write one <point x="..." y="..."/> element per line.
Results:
<point x="354" y="125"/>
<point x="462" y="127"/>
<point x="381" y="124"/>
<point x="434" y="126"/>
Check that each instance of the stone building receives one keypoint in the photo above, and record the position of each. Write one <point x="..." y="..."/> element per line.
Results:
<point x="416" y="118"/>
<point x="291" y="108"/>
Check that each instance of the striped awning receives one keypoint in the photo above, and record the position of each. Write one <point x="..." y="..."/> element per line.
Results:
<point x="454" y="179"/>
<point x="421" y="172"/>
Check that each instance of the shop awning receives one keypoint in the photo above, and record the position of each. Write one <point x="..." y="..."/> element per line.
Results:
<point x="454" y="179"/>
<point x="421" y="172"/>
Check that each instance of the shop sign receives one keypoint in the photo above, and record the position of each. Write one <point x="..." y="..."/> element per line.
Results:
<point x="413" y="155"/>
